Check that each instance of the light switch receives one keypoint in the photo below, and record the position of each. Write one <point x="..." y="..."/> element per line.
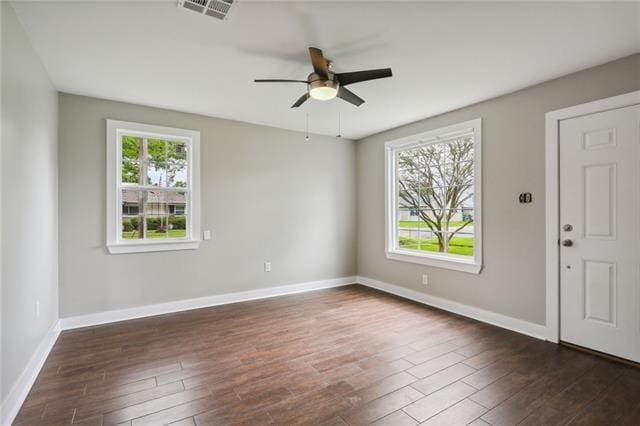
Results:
<point x="206" y="235"/>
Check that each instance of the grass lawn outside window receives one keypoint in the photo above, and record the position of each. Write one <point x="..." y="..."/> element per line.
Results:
<point x="173" y="233"/>
<point x="458" y="245"/>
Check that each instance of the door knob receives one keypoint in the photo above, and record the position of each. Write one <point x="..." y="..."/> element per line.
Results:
<point x="567" y="243"/>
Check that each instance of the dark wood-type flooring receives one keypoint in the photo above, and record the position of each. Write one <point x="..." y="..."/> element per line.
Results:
<point x="349" y="355"/>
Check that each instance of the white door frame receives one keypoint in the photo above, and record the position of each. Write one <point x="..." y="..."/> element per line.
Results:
<point x="552" y="189"/>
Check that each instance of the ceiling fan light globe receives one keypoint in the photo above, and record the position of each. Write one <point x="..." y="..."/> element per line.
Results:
<point x="323" y="93"/>
<point x="323" y="90"/>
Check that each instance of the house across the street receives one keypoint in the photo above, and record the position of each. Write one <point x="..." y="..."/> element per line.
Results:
<point x="158" y="203"/>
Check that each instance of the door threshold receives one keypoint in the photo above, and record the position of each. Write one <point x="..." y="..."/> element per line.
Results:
<point x="600" y="354"/>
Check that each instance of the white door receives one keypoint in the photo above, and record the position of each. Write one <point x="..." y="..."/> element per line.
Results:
<point x="600" y="231"/>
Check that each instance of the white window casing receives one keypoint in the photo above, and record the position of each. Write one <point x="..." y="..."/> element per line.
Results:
<point x="115" y="243"/>
<point x="470" y="264"/>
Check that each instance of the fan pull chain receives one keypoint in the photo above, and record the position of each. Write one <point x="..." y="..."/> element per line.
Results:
<point x="339" y="135"/>
<point x="306" y="137"/>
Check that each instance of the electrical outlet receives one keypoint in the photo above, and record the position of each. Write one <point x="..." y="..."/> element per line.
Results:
<point x="206" y="235"/>
<point x="267" y="266"/>
<point x="37" y="309"/>
<point x="425" y="279"/>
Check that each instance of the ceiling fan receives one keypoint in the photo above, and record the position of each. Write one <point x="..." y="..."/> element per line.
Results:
<point x="323" y="84"/>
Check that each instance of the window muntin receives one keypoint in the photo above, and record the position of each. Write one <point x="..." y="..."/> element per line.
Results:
<point x="433" y="204"/>
<point x="153" y="177"/>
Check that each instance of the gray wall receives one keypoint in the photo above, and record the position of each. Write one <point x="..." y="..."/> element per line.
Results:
<point x="513" y="280"/>
<point x="29" y="200"/>
<point x="266" y="194"/>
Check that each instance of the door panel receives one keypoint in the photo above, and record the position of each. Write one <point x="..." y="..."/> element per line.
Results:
<point x="600" y="291"/>
<point x="599" y="209"/>
<point x="600" y="263"/>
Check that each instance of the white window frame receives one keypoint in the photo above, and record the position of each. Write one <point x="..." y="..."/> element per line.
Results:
<point x="447" y="261"/>
<point x="115" y="130"/>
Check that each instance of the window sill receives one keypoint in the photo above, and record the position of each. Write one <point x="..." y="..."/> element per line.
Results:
<point x="144" y="247"/>
<point x="445" y="262"/>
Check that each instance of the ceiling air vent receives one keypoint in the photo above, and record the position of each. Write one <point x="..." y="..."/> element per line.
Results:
<point x="214" y="8"/>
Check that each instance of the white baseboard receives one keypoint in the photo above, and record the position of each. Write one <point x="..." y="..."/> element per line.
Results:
<point x="201" y="302"/>
<point x="19" y="391"/>
<point x="514" y="324"/>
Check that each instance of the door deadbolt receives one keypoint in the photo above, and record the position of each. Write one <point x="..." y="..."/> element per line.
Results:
<point x="567" y="228"/>
<point x="567" y="243"/>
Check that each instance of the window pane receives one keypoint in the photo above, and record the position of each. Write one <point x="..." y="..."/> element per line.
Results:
<point x="409" y="160"/>
<point x="461" y="201"/>
<point x="408" y="238"/>
<point x="459" y="174"/>
<point x="131" y="227"/>
<point x="131" y="207"/>
<point x="408" y="195"/>
<point x="155" y="210"/>
<point x="130" y="172"/>
<point x="131" y="149"/>
<point x="131" y="146"/>
<point x="424" y="239"/>
<point x="177" y="226"/>
<point x="432" y="156"/>
<point x="459" y="150"/>
<point x="157" y="159"/>
<point x="177" y="204"/>
<point x="155" y="203"/>
<point x="427" y="172"/>
<point x="177" y="151"/>
<point x="156" y="174"/>
<point x="131" y="202"/>
<point x="461" y="243"/>
<point x="176" y="164"/>
<point x="157" y="226"/>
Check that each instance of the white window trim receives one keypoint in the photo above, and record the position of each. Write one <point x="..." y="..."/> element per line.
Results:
<point x="458" y="263"/>
<point x="114" y="209"/>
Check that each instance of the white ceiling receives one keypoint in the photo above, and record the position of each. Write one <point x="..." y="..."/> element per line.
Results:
<point x="443" y="55"/>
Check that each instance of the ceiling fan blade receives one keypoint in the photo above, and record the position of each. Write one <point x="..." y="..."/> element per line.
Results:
<point x="319" y="62"/>
<point x="300" y="101"/>
<point x="349" y="96"/>
<point x="358" y="76"/>
<point x="275" y="80"/>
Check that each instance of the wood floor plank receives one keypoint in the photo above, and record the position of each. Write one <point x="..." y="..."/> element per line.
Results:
<point x="502" y="389"/>
<point x="177" y="413"/>
<point x="348" y="355"/>
<point x="397" y="418"/>
<point x="438" y="401"/>
<point x="443" y="378"/>
<point x="462" y="413"/>
<point x="567" y="367"/>
<point x="579" y="396"/>
<point x="433" y="366"/>
<point x="91" y="407"/>
<point x="189" y="421"/>
<point x="380" y="388"/>
<point x="152" y="406"/>
<point x="620" y="398"/>
<point x="234" y="414"/>
<point x="383" y="406"/>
